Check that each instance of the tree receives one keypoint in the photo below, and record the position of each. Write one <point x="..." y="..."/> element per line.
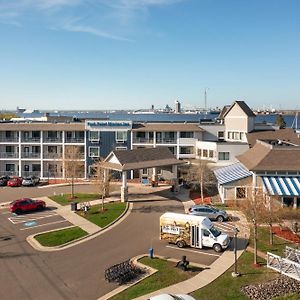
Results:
<point x="199" y="173"/>
<point x="73" y="165"/>
<point x="280" y="121"/>
<point x="254" y="208"/>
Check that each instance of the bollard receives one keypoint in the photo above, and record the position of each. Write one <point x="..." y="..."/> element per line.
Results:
<point x="151" y="252"/>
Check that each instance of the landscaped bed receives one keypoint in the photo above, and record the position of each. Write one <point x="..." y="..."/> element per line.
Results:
<point x="65" y="199"/>
<point x="104" y="217"/>
<point x="167" y="275"/>
<point x="60" y="237"/>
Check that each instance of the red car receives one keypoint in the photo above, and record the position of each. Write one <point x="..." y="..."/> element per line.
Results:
<point x="15" y="181"/>
<point x="26" y="204"/>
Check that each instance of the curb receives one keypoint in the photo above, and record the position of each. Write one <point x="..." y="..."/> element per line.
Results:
<point x="37" y="246"/>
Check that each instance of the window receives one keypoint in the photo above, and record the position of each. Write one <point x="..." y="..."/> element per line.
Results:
<point x="223" y="155"/>
<point x="94" y="136"/>
<point x="94" y="152"/>
<point x="172" y="149"/>
<point x="52" y="149"/>
<point x="9" y="167"/>
<point x="35" y="149"/>
<point x="187" y="134"/>
<point x="211" y="153"/>
<point x="204" y="153"/>
<point x="205" y="232"/>
<point x="36" y="167"/>
<point x="69" y="135"/>
<point x="144" y="171"/>
<point x="36" y="134"/>
<point x="121" y="148"/>
<point x="141" y="134"/>
<point x="9" y="149"/>
<point x="240" y="192"/>
<point x="186" y="150"/>
<point x="121" y="136"/>
<point x="221" y="135"/>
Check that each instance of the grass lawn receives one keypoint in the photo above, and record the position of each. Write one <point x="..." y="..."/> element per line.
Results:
<point x="263" y="242"/>
<point x="167" y="275"/>
<point x="225" y="287"/>
<point x="60" y="237"/>
<point x="102" y="218"/>
<point x="65" y="199"/>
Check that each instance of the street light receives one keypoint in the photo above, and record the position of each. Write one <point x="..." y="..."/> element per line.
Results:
<point x="235" y="273"/>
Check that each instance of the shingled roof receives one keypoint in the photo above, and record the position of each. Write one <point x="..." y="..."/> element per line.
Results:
<point x="266" y="157"/>
<point x="286" y="134"/>
<point x="123" y="160"/>
<point x="246" y="109"/>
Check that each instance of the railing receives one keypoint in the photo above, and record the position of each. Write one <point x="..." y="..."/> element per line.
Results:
<point x="142" y="140"/>
<point x="166" y="141"/>
<point x="52" y="140"/>
<point x="9" y="154"/>
<point x="283" y="265"/>
<point x="31" y="140"/>
<point x="74" y="140"/>
<point x="51" y="155"/>
<point x="31" y="173"/>
<point x="9" y="173"/>
<point x="9" y="139"/>
<point x="30" y="155"/>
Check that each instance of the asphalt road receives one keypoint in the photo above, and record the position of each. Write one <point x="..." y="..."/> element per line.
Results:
<point x="78" y="272"/>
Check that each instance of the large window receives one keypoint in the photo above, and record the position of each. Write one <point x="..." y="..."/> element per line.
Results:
<point x="94" y="136"/>
<point x="223" y="155"/>
<point x="187" y="134"/>
<point x="121" y="136"/>
<point x="94" y="152"/>
<point x="9" y="167"/>
<point x="186" y="150"/>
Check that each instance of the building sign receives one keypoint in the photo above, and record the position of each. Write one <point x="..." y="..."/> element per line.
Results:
<point x="94" y="125"/>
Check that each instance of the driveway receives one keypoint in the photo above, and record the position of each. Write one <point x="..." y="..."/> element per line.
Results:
<point x="78" y="272"/>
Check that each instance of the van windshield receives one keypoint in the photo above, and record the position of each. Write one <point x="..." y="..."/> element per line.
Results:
<point x="215" y="232"/>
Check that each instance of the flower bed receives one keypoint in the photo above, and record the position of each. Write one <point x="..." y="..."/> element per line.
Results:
<point x="286" y="233"/>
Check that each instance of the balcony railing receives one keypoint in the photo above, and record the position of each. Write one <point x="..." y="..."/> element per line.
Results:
<point x="142" y="140"/>
<point x="31" y="173"/>
<point x="52" y="155"/>
<point x="4" y="139"/>
<point x="53" y="140"/>
<point x="9" y="154"/>
<point x="74" y="140"/>
<point x="31" y="155"/>
<point x="9" y="173"/>
<point x="166" y="141"/>
<point x="31" y="140"/>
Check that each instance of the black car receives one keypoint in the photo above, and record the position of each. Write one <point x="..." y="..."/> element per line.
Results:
<point x="3" y="180"/>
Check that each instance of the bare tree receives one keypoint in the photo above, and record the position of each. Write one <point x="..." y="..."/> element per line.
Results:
<point x="200" y="174"/>
<point x="73" y="165"/>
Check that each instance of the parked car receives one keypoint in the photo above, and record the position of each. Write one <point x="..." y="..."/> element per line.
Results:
<point x="26" y="204"/>
<point x="210" y="212"/>
<point x="15" y="181"/>
<point x="30" y="181"/>
<point x="3" y="180"/>
<point x="171" y="297"/>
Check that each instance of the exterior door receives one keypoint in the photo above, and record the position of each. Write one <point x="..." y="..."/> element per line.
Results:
<point x="206" y="239"/>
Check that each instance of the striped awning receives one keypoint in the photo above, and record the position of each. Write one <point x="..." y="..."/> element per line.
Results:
<point x="231" y="173"/>
<point x="282" y="185"/>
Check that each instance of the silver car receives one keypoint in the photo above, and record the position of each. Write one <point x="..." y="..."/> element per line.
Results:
<point x="30" y="181"/>
<point x="210" y="212"/>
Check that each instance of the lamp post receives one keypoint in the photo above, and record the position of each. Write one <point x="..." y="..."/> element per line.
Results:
<point x="235" y="273"/>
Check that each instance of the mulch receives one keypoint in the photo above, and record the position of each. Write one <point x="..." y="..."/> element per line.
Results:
<point x="286" y="233"/>
<point x="196" y="197"/>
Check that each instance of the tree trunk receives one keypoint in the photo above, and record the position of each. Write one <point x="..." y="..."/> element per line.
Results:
<point x="255" y="241"/>
<point x="102" y="202"/>
<point x="271" y="234"/>
<point x="72" y="187"/>
<point x="201" y="189"/>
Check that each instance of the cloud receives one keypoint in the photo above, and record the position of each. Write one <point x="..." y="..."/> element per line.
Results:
<point x="106" y="18"/>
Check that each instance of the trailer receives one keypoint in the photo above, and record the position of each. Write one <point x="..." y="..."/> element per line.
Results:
<point x="190" y="230"/>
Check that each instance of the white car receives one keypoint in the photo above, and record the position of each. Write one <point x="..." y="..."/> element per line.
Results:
<point x="172" y="297"/>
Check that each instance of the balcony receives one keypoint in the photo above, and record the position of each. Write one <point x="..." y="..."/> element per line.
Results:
<point x="51" y="155"/>
<point x="9" y="173"/>
<point x="31" y="139"/>
<point x="9" y="154"/>
<point x="12" y="139"/>
<point x="74" y="140"/>
<point x="52" y="140"/>
<point x="166" y="141"/>
<point x="31" y="155"/>
<point x="137" y="140"/>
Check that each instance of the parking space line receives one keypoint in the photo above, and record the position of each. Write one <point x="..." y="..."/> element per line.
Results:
<point x="17" y="220"/>
<point x="57" y="222"/>
<point x="194" y="251"/>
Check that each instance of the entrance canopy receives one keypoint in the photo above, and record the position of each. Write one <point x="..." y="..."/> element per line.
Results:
<point x="282" y="185"/>
<point x="126" y="160"/>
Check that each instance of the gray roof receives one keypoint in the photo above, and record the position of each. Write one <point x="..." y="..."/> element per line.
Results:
<point x="142" y="158"/>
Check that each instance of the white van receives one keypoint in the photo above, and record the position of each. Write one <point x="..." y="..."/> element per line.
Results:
<point x="194" y="231"/>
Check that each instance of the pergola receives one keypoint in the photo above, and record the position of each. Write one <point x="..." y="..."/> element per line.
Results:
<point x="128" y="160"/>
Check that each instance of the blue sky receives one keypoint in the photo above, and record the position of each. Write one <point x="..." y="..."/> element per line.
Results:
<point x="118" y="54"/>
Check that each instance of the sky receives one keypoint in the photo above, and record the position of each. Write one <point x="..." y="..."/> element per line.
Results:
<point x="131" y="54"/>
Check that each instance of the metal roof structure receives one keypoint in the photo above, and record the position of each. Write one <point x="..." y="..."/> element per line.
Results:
<point x="282" y="185"/>
<point x="231" y="173"/>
